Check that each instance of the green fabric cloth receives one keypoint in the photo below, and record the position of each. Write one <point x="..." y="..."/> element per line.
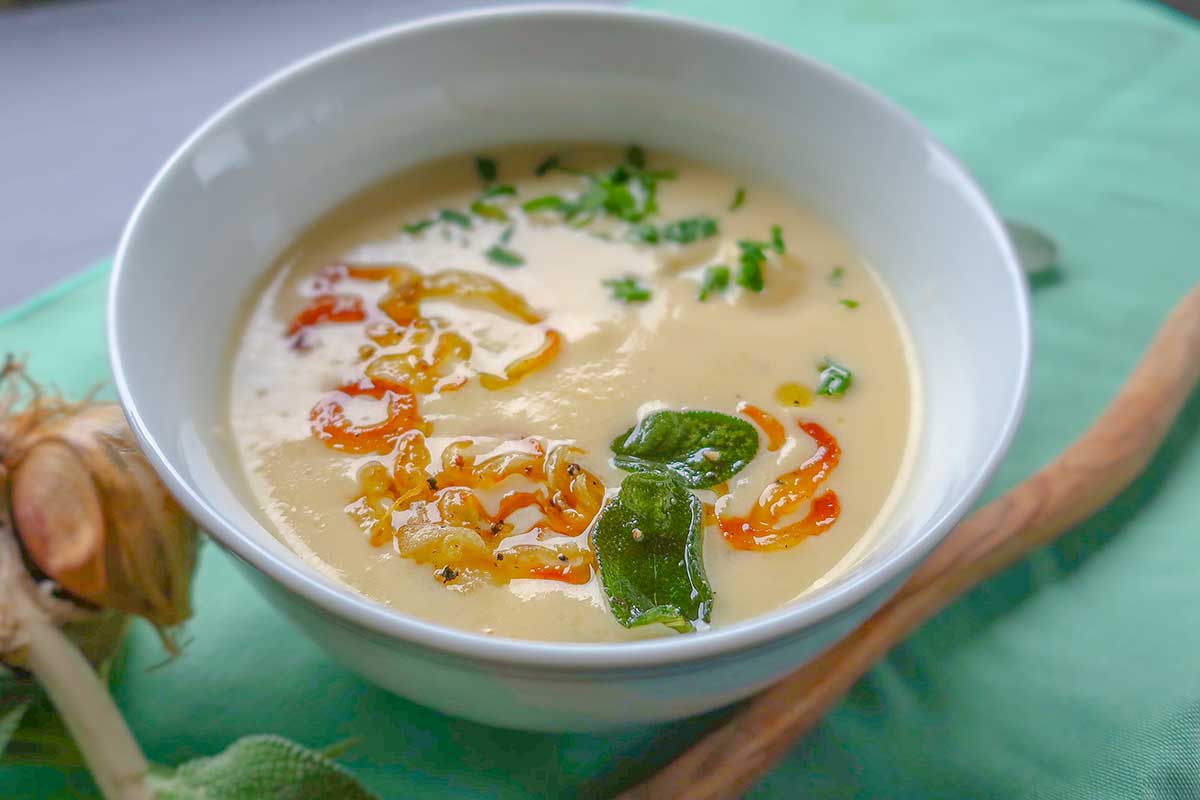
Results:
<point x="1082" y="116"/>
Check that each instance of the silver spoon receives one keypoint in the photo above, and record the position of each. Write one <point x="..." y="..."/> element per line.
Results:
<point x="1036" y="250"/>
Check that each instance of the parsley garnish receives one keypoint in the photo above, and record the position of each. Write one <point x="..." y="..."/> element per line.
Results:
<point x="835" y="277"/>
<point x="628" y="290"/>
<point x="739" y="197"/>
<point x="549" y="164"/>
<point x="489" y="211"/>
<point x="486" y="167"/>
<point x="454" y="217"/>
<point x="627" y="192"/>
<point x="645" y="233"/>
<point x="716" y="279"/>
<point x="835" y="379"/>
<point x="549" y="202"/>
<point x="506" y="236"/>
<point x="498" y="190"/>
<point x="617" y="199"/>
<point x="413" y="228"/>
<point x="504" y="257"/>
<point x="749" y="274"/>
<point x="688" y="230"/>
<point x="848" y="303"/>
<point x="777" y="239"/>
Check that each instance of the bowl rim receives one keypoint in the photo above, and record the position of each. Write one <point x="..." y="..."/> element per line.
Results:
<point x="757" y="632"/>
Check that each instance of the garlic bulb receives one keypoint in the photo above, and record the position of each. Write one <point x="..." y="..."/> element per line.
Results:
<point x="89" y="512"/>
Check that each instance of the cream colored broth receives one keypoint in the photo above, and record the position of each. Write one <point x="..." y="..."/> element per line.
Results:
<point x="617" y="362"/>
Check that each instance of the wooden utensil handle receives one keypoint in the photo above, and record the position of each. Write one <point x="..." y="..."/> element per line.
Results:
<point x="1083" y="479"/>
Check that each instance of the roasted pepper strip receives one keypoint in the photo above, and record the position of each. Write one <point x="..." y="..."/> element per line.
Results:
<point x="761" y="529"/>
<point x="771" y="427"/>
<point x="330" y="425"/>
<point x="328" y="308"/>
<point x="524" y="365"/>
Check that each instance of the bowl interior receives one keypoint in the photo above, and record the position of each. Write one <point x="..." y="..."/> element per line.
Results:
<point x="274" y="160"/>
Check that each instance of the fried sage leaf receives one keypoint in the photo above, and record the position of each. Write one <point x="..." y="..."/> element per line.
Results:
<point x="702" y="448"/>
<point x="648" y="546"/>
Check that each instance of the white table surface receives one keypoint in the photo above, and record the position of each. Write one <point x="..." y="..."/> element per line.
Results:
<point x="96" y="94"/>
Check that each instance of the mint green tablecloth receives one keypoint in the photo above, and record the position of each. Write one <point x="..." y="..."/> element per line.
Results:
<point x="1080" y="115"/>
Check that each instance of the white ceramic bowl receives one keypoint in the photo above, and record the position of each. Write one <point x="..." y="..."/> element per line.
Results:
<point x="274" y="159"/>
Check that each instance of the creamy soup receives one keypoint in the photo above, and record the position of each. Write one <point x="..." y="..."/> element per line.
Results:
<point x="573" y="393"/>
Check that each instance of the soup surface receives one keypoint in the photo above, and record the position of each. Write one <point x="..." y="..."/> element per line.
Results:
<point x="572" y="393"/>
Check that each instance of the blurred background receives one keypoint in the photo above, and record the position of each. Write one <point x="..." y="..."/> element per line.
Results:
<point x="96" y="94"/>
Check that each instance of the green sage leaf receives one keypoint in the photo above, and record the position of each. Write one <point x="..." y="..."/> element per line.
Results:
<point x="701" y="448"/>
<point x="257" y="767"/>
<point x="648" y="545"/>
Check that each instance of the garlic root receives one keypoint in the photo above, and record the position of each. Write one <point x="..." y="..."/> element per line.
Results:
<point x="87" y="536"/>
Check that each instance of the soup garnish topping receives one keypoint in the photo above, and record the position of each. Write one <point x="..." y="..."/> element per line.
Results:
<point x="432" y="498"/>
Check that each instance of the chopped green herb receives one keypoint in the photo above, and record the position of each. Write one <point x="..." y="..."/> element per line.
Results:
<point x="579" y="221"/>
<point x="777" y="239"/>
<point x="835" y="277"/>
<point x="548" y="202"/>
<point x="628" y="192"/>
<point x="454" y="217"/>
<point x="498" y="190"/>
<point x="506" y="236"/>
<point x="549" y="164"/>
<point x="848" y="303"/>
<point x="835" y="379"/>
<point x="413" y="228"/>
<point x="648" y="542"/>
<point x="739" y="197"/>
<point x="486" y="168"/>
<point x="686" y="231"/>
<point x="587" y="204"/>
<point x="645" y="233"/>
<point x="636" y="156"/>
<point x="619" y="201"/>
<point x="489" y="211"/>
<point x="701" y="448"/>
<point x="628" y="290"/>
<point x="716" y="279"/>
<point x="749" y="273"/>
<point x="504" y="257"/>
<point x="752" y="250"/>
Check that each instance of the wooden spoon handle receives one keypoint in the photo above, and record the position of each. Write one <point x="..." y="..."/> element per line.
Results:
<point x="1082" y="480"/>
